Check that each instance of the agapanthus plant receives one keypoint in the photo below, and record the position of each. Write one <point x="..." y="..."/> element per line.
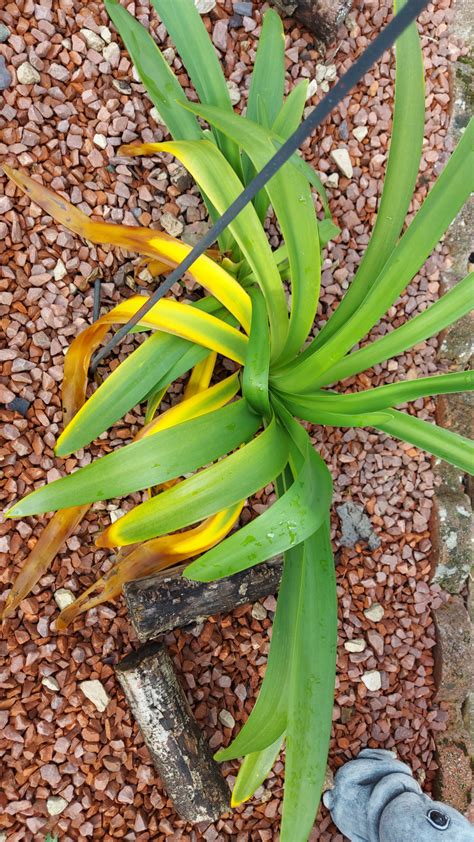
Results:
<point x="233" y="437"/>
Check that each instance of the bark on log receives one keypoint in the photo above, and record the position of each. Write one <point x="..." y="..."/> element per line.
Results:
<point x="177" y="746"/>
<point x="166" y="601"/>
<point x="323" y="17"/>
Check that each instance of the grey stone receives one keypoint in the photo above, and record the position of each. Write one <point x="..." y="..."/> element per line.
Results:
<point x="451" y="529"/>
<point x="4" y="33"/>
<point x="259" y="612"/>
<point x="174" y="227"/>
<point x="355" y="646"/>
<point x="179" y="176"/>
<point x="5" y="75"/>
<point x="356" y="526"/>
<point x="245" y="9"/>
<point x="20" y="405"/>
<point x="122" y="86"/>
<point x="375" y="613"/>
<point x="192" y="233"/>
<point x="343" y="131"/>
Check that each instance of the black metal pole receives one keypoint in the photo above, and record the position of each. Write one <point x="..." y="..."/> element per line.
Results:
<point x="374" y="51"/>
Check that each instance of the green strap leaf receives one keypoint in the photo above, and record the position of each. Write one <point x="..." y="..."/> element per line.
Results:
<point x="217" y="487"/>
<point x="268" y="75"/>
<point x="150" y="461"/>
<point x="295" y="516"/>
<point x="161" y="83"/>
<point x="384" y="397"/>
<point x="267" y="720"/>
<point x="311" y="688"/>
<point x="254" y="769"/>
<point x="293" y="204"/>
<point x="186" y="28"/>
<point x="257" y="360"/>
<point x="291" y="112"/>
<point x="451" y="447"/>
<point x="304" y="409"/>
<point x="400" y="179"/>
<point x="266" y="91"/>
<point x="215" y="176"/>
<point x="442" y="204"/>
<point x="455" y="304"/>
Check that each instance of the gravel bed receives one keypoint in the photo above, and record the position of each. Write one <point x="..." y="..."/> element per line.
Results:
<point x="71" y="768"/>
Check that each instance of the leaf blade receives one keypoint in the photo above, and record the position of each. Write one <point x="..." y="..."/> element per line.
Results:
<point x="288" y="522"/>
<point x="401" y="174"/>
<point x="201" y="495"/>
<point x="148" y="462"/>
<point x="311" y="691"/>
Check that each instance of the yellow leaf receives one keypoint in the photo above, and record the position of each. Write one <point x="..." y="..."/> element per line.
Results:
<point x="141" y="560"/>
<point x="201" y="403"/>
<point x="200" y="376"/>
<point x="167" y="315"/>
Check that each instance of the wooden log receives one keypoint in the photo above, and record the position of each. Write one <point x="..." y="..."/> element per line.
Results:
<point x="177" y="746"/>
<point x="323" y="17"/>
<point x="167" y="601"/>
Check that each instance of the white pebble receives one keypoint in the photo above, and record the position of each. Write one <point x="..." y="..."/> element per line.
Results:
<point x="55" y="805"/>
<point x="375" y="612"/>
<point x="59" y="271"/>
<point x="27" y="74"/>
<point x="100" y="140"/>
<point x="204" y="6"/>
<point x="106" y="34"/>
<point x="63" y="597"/>
<point x="111" y="53"/>
<point x="51" y="683"/>
<point x="354" y="645"/>
<point x="372" y="680"/>
<point x="226" y="718"/>
<point x="95" y="692"/>
<point x="331" y="72"/>
<point x="320" y="72"/>
<point x="93" y="41"/>
<point x="343" y="162"/>
<point x="234" y="92"/>
<point x="333" y="180"/>
<point x="360" y="132"/>
<point x="312" y="88"/>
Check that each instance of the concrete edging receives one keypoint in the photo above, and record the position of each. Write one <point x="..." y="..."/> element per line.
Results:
<point x="451" y="524"/>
